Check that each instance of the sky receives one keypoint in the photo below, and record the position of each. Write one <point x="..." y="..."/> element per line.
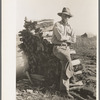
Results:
<point x="85" y="13"/>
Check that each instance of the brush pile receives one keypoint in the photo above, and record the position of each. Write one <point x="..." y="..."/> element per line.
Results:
<point x="39" y="52"/>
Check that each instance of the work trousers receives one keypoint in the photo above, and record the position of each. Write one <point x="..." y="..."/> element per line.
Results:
<point x="63" y="53"/>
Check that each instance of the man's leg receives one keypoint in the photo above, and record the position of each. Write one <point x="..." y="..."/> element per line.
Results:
<point x="64" y="55"/>
<point x="63" y="76"/>
<point x="64" y="80"/>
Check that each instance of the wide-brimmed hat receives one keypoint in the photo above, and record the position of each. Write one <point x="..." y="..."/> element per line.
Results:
<point x="65" y="11"/>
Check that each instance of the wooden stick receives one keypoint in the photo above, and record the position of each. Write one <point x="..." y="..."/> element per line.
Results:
<point x="91" y="66"/>
<point x="91" y="71"/>
<point x="76" y="62"/>
<point x="77" y="96"/>
<point x="72" y="51"/>
<point x="27" y="74"/>
<point x="66" y="83"/>
<point x="75" y="88"/>
<point x="79" y="83"/>
<point x="90" y="97"/>
<point x="91" y="78"/>
<point x="37" y="77"/>
<point x="78" y="72"/>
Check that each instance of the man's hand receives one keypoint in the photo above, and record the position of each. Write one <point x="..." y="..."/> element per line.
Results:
<point x="64" y="44"/>
<point x="70" y="66"/>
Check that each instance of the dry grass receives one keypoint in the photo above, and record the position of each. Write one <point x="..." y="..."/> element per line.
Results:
<point x="86" y="47"/>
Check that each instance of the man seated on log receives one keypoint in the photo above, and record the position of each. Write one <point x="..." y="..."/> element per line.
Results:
<point x="63" y="36"/>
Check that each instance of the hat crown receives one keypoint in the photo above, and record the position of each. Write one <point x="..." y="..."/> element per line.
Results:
<point x="66" y="10"/>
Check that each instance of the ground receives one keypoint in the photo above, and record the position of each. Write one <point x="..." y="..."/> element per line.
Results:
<point x="86" y="52"/>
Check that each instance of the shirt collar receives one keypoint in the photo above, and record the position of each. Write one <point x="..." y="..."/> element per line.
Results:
<point x="64" y="24"/>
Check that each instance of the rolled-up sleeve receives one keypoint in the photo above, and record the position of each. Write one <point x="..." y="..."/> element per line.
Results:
<point x="73" y="37"/>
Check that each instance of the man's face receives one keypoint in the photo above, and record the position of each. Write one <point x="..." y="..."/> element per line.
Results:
<point x="65" y="18"/>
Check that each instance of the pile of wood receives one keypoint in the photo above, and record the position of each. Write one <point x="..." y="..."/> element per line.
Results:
<point x="38" y="50"/>
<point x="45" y="25"/>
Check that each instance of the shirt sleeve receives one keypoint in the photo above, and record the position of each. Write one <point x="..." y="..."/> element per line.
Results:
<point x="58" y="33"/>
<point x="73" y="37"/>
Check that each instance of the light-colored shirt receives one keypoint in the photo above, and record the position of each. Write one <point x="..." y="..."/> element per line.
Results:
<point x="63" y="33"/>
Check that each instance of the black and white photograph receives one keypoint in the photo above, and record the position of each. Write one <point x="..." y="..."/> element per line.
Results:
<point x="56" y="49"/>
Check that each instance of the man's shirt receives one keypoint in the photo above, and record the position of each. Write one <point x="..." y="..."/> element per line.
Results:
<point x="63" y="33"/>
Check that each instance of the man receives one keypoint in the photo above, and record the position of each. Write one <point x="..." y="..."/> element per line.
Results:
<point x="63" y="36"/>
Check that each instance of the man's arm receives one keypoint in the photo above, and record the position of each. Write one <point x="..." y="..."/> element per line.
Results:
<point x="58" y="33"/>
<point x="72" y="38"/>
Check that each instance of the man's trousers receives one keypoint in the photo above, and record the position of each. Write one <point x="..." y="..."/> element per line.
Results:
<point x="63" y="53"/>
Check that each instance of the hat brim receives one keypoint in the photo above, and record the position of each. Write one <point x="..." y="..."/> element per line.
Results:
<point x="60" y="14"/>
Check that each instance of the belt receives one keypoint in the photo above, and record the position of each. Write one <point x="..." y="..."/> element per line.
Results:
<point x="59" y="45"/>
